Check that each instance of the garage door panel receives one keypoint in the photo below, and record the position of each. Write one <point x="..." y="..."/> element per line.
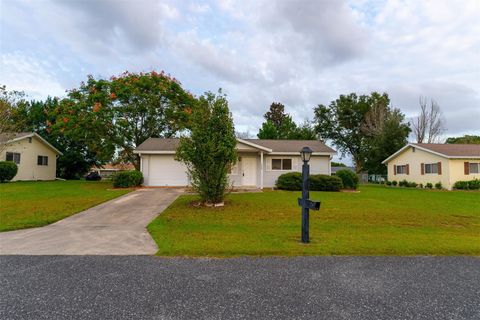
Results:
<point x="166" y="171"/>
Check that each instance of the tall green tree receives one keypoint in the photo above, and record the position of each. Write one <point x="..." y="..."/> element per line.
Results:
<point x="209" y="151"/>
<point x="467" y="139"/>
<point x="134" y="107"/>
<point x="280" y="125"/>
<point x="365" y="127"/>
<point x="48" y="119"/>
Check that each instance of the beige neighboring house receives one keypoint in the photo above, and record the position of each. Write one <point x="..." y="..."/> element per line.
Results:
<point x="35" y="157"/>
<point x="260" y="162"/>
<point x="430" y="162"/>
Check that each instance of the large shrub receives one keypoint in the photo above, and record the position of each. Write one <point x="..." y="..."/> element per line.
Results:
<point x="209" y="151"/>
<point x="322" y="182"/>
<point x="349" y="178"/>
<point x="318" y="182"/>
<point x="290" y="181"/>
<point x="467" y="185"/>
<point x="126" y="179"/>
<point x="8" y="170"/>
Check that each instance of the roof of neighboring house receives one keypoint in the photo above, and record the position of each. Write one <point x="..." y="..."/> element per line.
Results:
<point x="445" y="150"/>
<point x="13" y="137"/>
<point x="275" y="146"/>
<point x="335" y="169"/>
<point x="7" y="136"/>
<point x="119" y="166"/>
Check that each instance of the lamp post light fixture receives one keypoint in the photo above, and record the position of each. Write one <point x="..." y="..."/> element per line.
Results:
<point x="305" y="201"/>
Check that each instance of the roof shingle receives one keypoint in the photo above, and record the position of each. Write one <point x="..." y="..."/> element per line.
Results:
<point x="171" y="144"/>
<point x="452" y="150"/>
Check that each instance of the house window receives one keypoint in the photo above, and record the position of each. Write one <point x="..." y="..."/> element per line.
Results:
<point x="431" y="168"/>
<point x="402" y="169"/>
<point x="42" y="160"/>
<point x="30" y="140"/>
<point x="281" y="164"/>
<point x="413" y="149"/>
<point x="13" y="156"/>
<point x="474" y="167"/>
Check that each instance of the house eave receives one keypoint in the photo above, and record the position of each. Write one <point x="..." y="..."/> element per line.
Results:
<point x="39" y="137"/>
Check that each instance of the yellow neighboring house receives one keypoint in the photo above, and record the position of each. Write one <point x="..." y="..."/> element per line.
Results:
<point x="35" y="157"/>
<point x="432" y="162"/>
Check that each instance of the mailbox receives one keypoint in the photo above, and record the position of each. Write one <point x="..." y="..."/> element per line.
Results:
<point x="310" y="204"/>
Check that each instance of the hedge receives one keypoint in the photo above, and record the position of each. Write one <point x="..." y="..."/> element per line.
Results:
<point x="467" y="185"/>
<point x="349" y="178"/>
<point x="318" y="182"/>
<point x="126" y="179"/>
<point x="8" y="170"/>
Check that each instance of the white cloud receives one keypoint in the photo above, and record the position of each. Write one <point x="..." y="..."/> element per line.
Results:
<point x="299" y="53"/>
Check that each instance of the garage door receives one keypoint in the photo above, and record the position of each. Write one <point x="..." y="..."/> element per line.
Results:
<point x="165" y="171"/>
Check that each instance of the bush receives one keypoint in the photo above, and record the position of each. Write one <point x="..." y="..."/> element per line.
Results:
<point x="412" y="184"/>
<point x="420" y="185"/>
<point x="438" y="186"/>
<point x="322" y="182"/>
<point x="429" y="185"/>
<point x="388" y="183"/>
<point x="8" y="170"/>
<point x="318" y="182"/>
<point x="349" y="178"/>
<point x="403" y="183"/>
<point x="126" y="179"/>
<point x="394" y="183"/>
<point x="467" y="185"/>
<point x="290" y="181"/>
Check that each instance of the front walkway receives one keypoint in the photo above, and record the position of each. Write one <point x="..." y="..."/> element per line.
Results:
<point x="116" y="227"/>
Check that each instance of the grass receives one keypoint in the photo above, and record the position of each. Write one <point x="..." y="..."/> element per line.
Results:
<point x="376" y="221"/>
<point x="34" y="204"/>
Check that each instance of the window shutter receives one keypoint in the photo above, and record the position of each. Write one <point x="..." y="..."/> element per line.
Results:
<point x="268" y="164"/>
<point x="422" y="168"/>
<point x="394" y="170"/>
<point x="439" y="168"/>
<point x="408" y="169"/>
<point x="466" y="168"/>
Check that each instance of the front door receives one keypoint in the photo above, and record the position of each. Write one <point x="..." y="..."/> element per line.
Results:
<point x="249" y="171"/>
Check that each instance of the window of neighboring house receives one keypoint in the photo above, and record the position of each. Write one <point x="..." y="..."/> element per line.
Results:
<point x="431" y="168"/>
<point x="402" y="169"/>
<point x="13" y="156"/>
<point x="281" y="164"/>
<point x="474" y="167"/>
<point x="42" y="160"/>
<point x="30" y="140"/>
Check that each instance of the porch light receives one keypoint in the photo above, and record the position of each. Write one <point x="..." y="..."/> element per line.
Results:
<point x="306" y="153"/>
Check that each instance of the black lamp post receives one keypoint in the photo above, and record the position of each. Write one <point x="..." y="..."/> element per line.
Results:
<point x="305" y="202"/>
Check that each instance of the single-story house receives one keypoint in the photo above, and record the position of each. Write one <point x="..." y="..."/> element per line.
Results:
<point x="35" y="157"/>
<point x="109" y="169"/>
<point x="260" y="162"/>
<point x="433" y="163"/>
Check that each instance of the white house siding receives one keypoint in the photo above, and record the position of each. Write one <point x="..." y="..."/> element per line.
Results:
<point x="318" y="165"/>
<point x="28" y="169"/>
<point x="164" y="170"/>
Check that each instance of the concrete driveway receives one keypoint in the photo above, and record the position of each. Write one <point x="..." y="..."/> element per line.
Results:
<point x="116" y="227"/>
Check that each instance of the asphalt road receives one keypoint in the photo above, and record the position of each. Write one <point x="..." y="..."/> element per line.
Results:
<point x="146" y="287"/>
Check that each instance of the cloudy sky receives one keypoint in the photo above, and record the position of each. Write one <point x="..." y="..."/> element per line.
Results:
<point x="300" y="53"/>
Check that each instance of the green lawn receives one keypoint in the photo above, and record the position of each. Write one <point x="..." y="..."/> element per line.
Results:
<point x="34" y="204"/>
<point x="375" y="221"/>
